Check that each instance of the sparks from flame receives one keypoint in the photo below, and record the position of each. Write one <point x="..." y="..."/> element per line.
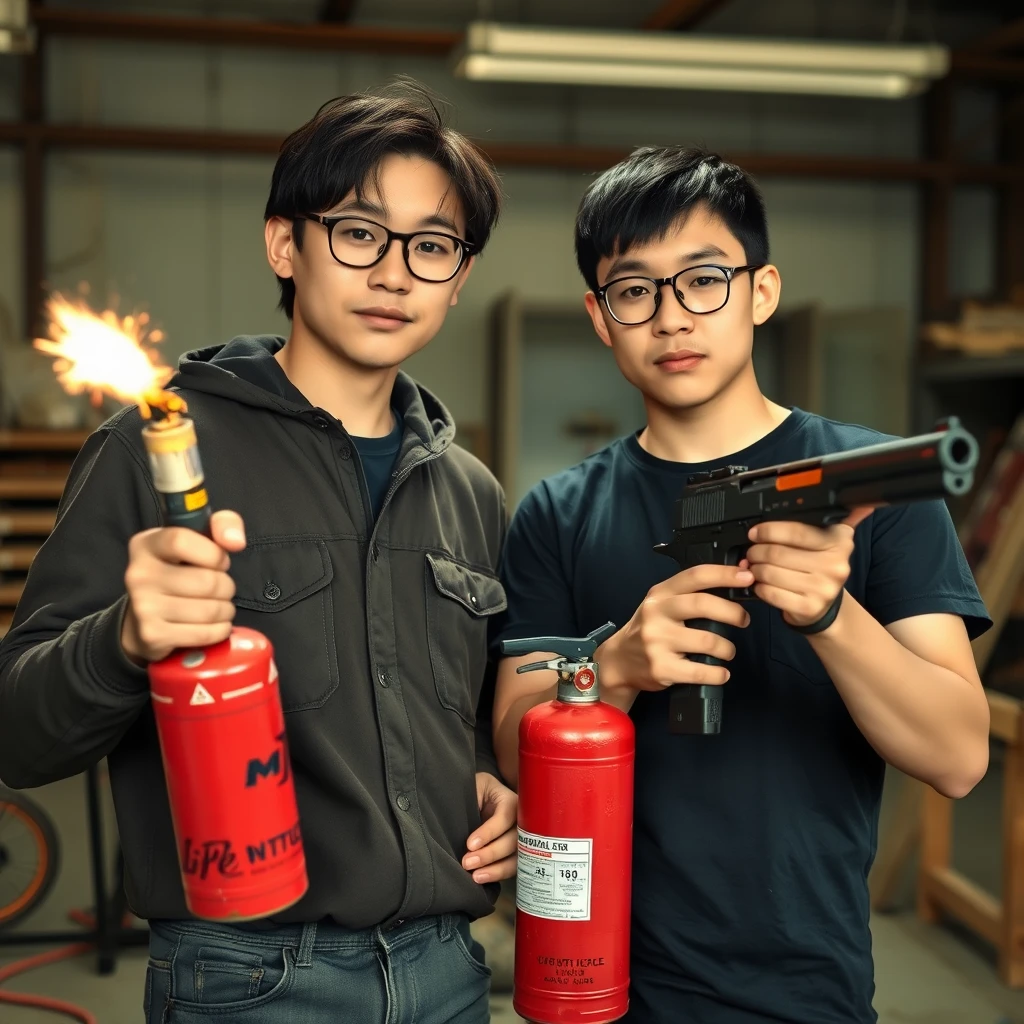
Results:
<point x="104" y="354"/>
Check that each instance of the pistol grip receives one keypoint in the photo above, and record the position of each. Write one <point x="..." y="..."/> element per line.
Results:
<point x="712" y="626"/>
<point x="694" y="708"/>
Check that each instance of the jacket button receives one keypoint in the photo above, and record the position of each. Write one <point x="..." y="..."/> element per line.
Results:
<point x="385" y="680"/>
<point x="403" y="802"/>
<point x="321" y="422"/>
<point x="345" y="451"/>
<point x="271" y="591"/>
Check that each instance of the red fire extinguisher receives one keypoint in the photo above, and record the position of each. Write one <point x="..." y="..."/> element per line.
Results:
<point x="221" y="729"/>
<point x="573" y="882"/>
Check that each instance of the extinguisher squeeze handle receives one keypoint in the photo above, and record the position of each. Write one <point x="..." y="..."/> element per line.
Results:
<point x="573" y="648"/>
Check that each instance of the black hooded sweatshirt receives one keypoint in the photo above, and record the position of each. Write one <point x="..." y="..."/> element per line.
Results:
<point x="379" y="627"/>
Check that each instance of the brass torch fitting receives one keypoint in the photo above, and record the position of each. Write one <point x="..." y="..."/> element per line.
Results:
<point x="177" y="472"/>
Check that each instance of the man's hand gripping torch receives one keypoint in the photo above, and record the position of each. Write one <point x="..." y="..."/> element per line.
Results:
<point x="221" y="725"/>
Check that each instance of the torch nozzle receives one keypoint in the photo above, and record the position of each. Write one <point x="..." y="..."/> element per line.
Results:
<point x="163" y="408"/>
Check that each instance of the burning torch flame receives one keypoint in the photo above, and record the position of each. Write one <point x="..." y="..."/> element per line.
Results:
<point x="102" y="353"/>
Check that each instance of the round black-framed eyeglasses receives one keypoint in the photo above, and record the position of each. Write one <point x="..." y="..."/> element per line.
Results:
<point x="700" y="290"/>
<point x="358" y="242"/>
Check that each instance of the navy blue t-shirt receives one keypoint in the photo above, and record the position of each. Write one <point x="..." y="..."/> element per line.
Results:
<point x="377" y="456"/>
<point x="751" y="848"/>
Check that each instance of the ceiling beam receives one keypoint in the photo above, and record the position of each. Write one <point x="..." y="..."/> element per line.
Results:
<point x="681" y="14"/>
<point x="1000" y="40"/>
<point x="336" y="11"/>
<point x="539" y="155"/>
<point x="980" y="67"/>
<point x="68" y="22"/>
<point x="58" y="21"/>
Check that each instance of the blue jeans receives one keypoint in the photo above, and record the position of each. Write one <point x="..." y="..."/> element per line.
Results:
<point x="425" y="971"/>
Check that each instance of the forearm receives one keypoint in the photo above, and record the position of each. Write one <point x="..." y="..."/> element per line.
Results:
<point x="506" y="725"/>
<point x="66" y="701"/>
<point x="926" y="720"/>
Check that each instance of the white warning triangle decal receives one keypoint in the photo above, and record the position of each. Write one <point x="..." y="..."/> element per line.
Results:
<point x="200" y="695"/>
<point x="273" y="672"/>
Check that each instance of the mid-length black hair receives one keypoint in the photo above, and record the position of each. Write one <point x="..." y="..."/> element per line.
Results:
<point x="638" y="200"/>
<point x="340" y="149"/>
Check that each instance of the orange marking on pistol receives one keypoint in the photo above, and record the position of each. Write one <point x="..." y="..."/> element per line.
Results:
<point x="791" y="481"/>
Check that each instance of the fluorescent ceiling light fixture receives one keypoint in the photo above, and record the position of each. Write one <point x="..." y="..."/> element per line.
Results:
<point x="480" y="67"/>
<point x="15" y="34"/>
<point x="667" y="60"/>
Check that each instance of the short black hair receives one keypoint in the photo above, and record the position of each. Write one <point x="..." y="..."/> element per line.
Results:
<point x="638" y="200"/>
<point x="342" y="146"/>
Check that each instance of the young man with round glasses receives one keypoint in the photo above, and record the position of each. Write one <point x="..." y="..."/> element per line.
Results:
<point x="363" y="543"/>
<point x="751" y="847"/>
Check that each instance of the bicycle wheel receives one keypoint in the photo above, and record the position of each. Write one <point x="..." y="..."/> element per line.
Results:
<point x="29" y="855"/>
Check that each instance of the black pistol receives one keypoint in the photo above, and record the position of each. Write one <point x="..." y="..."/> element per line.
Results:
<point x="718" y="508"/>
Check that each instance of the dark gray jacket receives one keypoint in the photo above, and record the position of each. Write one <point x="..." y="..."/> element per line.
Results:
<point x="379" y="630"/>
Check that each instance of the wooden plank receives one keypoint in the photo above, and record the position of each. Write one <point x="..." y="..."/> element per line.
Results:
<point x="1000" y="574"/>
<point x="25" y="524"/>
<point x="42" y="440"/>
<point x="241" y="32"/>
<point x="980" y="67"/>
<point x="1007" y="37"/>
<point x="336" y="11"/>
<point x="936" y="847"/>
<point x="33" y="201"/>
<point x="1004" y="716"/>
<point x="968" y="903"/>
<point x="1017" y="608"/>
<point x="82" y="24"/>
<point x="10" y="593"/>
<point x="972" y="368"/>
<point x="17" y="556"/>
<point x="41" y="488"/>
<point x="543" y="155"/>
<point x="1010" y="218"/>
<point x="938" y="202"/>
<point x="1011" y="940"/>
<point x="681" y="14"/>
<point x="34" y="466"/>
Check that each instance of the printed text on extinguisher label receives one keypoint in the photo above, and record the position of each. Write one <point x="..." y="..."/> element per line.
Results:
<point x="553" y="877"/>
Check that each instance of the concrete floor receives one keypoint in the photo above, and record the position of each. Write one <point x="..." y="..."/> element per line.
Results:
<point x="923" y="975"/>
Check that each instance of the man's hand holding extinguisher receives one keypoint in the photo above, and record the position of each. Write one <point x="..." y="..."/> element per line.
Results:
<point x="181" y="595"/>
<point x="492" y="847"/>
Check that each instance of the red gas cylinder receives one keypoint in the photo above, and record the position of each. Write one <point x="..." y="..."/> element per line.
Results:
<point x="225" y="755"/>
<point x="573" y="884"/>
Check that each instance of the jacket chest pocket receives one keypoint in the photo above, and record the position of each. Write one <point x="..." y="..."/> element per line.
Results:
<point x="459" y="601"/>
<point x="283" y="589"/>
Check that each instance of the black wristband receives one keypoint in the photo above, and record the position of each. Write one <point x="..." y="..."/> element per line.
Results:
<point x="826" y="620"/>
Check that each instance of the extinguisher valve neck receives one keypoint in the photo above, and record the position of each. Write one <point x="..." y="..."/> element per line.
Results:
<point x="578" y="683"/>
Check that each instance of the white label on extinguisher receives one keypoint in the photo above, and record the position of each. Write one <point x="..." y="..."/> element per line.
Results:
<point x="553" y="877"/>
